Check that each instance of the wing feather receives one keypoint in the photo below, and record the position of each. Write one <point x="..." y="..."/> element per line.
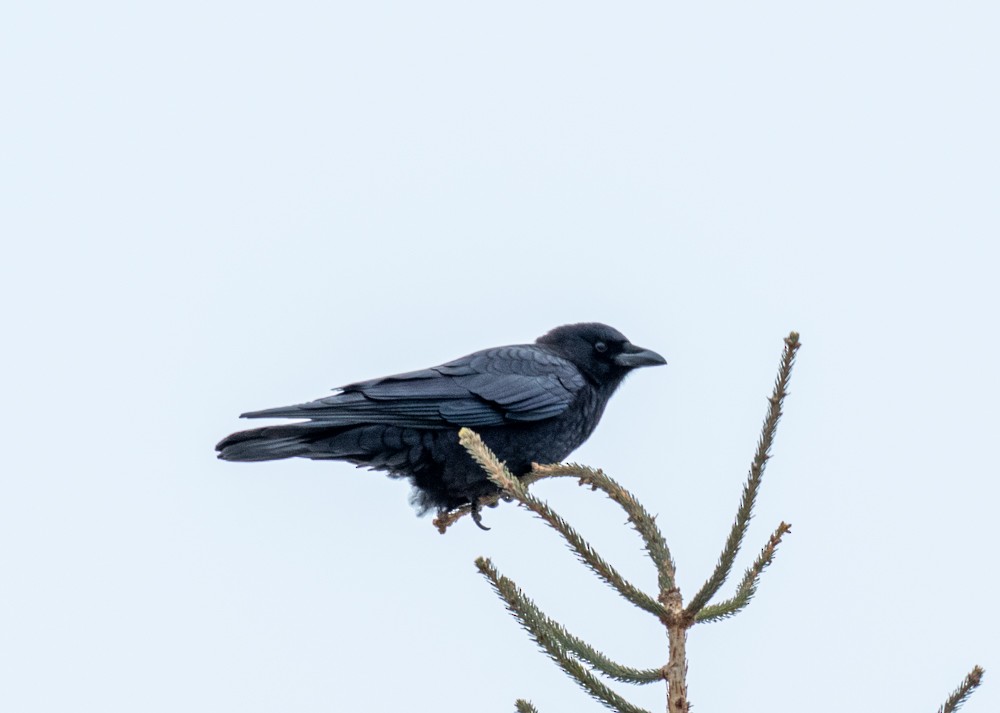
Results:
<point x="488" y="388"/>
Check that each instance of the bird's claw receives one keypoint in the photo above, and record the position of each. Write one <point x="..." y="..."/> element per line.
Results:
<point x="477" y="515"/>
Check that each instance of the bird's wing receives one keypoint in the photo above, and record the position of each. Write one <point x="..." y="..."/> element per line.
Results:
<point x="489" y="388"/>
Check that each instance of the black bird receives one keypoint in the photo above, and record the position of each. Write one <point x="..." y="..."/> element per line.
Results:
<point x="529" y="402"/>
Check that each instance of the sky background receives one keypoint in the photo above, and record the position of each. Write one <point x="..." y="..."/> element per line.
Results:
<point x="212" y="207"/>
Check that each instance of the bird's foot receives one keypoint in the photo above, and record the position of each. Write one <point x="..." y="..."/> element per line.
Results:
<point x="477" y="514"/>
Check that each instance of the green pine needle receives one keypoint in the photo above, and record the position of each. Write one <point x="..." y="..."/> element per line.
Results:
<point x="752" y="486"/>
<point x="638" y="516"/>
<point x="534" y="620"/>
<point x="962" y="693"/>
<point x="502" y="477"/>
<point x="551" y="643"/>
<point x="748" y="587"/>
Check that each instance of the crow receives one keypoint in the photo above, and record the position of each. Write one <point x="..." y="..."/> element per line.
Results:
<point x="529" y="403"/>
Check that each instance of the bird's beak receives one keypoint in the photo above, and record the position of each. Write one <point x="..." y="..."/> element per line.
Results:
<point x="633" y="356"/>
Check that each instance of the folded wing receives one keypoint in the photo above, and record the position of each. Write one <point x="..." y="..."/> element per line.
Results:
<point x="488" y="388"/>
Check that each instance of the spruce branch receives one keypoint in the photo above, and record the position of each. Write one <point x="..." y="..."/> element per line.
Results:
<point x="447" y="518"/>
<point x="524" y="706"/>
<point x="503" y="479"/>
<point x="748" y="587"/>
<point x="640" y="519"/>
<point x="534" y="621"/>
<point x="752" y="486"/>
<point x="962" y="693"/>
<point x="551" y="644"/>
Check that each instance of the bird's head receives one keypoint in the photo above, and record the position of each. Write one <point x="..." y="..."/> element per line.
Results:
<point x="601" y="352"/>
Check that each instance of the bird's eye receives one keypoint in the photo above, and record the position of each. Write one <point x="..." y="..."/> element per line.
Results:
<point x="600" y="347"/>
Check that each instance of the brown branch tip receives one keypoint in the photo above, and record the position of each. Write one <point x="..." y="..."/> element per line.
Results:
<point x="447" y="518"/>
<point x="960" y="694"/>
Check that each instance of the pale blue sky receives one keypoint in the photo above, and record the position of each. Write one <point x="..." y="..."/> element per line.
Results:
<point x="214" y="207"/>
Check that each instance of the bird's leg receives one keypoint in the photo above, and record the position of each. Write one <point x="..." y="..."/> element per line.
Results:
<point x="477" y="514"/>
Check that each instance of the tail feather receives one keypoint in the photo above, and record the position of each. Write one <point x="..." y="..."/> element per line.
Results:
<point x="400" y="452"/>
<point x="380" y="447"/>
<point x="268" y="443"/>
